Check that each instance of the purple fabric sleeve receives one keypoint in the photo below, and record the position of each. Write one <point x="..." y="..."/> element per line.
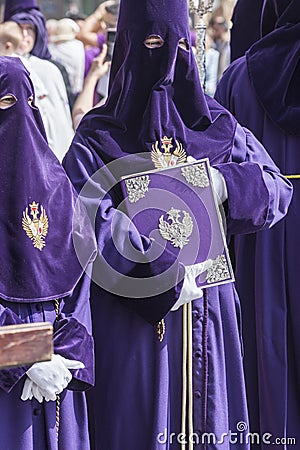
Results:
<point x="72" y="341"/>
<point x="10" y="377"/>
<point x="258" y="194"/>
<point x="72" y="336"/>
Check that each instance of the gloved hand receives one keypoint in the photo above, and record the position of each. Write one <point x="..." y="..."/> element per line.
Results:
<point x="190" y="291"/>
<point x="27" y="393"/>
<point x="218" y="182"/>
<point x="30" y="390"/>
<point x="49" y="378"/>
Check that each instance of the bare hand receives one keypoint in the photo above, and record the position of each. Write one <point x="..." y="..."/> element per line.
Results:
<point x="99" y="66"/>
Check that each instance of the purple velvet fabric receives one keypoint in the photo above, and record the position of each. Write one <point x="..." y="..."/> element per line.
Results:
<point x="30" y="425"/>
<point x="30" y="169"/>
<point x="142" y="382"/>
<point x="136" y="403"/>
<point x="245" y="26"/>
<point x="279" y="51"/>
<point x="280" y="12"/>
<point x="27" y="11"/>
<point x="32" y="277"/>
<point x="267" y="262"/>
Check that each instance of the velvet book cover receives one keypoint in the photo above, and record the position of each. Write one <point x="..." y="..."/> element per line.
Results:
<point x="177" y="207"/>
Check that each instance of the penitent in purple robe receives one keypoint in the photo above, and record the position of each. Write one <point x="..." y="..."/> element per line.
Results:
<point x="41" y="277"/>
<point x="137" y="402"/>
<point x="262" y="91"/>
<point x="245" y="29"/>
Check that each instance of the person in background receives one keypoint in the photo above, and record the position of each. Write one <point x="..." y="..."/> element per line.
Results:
<point x="34" y="47"/>
<point x="29" y="16"/>
<point x="245" y="28"/>
<point x="69" y="52"/>
<point x="93" y="34"/>
<point x="77" y="16"/>
<point x="219" y="32"/>
<point x="43" y="231"/>
<point x="85" y="100"/>
<point x="11" y="37"/>
<point x="212" y="57"/>
<point x="51" y="25"/>
<point x="92" y="31"/>
<point x="262" y="90"/>
<point x="143" y="396"/>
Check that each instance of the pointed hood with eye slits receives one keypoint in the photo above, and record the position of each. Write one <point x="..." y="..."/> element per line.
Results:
<point x="277" y="88"/>
<point x="27" y="11"/>
<point x="154" y="92"/>
<point x="38" y="229"/>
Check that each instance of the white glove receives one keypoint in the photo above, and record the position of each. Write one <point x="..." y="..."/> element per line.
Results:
<point x="190" y="291"/>
<point x="27" y="393"/>
<point x="218" y="182"/>
<point x="49" y="378"/>
<point x="31" y="389"/>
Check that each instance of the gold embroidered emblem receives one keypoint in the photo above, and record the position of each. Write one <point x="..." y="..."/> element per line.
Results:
<point x="166" y="159"/>
<point x="37" y="227"/>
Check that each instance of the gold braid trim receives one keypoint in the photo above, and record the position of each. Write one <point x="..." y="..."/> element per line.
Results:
<point x="290" y="177"/>
<point x="57" y="415"/>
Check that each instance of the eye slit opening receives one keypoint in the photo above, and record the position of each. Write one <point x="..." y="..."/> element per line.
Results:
<point x="153" y="41"/>
<point x="183" y="43"/>
<point x="31" y="102"/>
<point x="7" y="101"/>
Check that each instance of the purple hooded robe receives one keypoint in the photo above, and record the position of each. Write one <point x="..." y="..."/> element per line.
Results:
<point x="262" y="91"/>
<point x="245" y="28"/>
<point x="40" y="237"/>
<point x="155" y="92"/>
